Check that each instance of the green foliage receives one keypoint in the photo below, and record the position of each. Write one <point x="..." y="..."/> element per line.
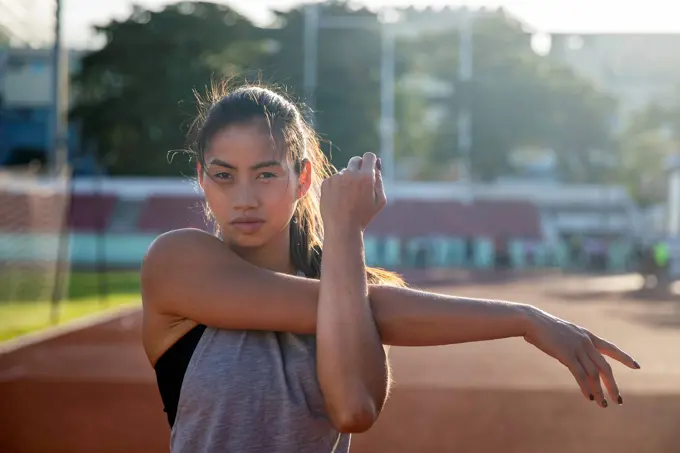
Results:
<point x="517" y="99"/>
<point x="648" y="140"/>
<point x="348" y="86"/>
<point x="135" y="95"/>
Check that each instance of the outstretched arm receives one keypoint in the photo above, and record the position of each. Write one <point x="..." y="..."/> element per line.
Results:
<point x="193" y="275"/>
<point x="189" y="274"/>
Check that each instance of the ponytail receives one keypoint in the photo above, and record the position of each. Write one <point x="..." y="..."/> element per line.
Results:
<point x="306" y="254"/>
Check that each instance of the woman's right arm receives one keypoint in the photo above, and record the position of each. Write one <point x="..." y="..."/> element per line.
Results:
<point x="192" y="275"/>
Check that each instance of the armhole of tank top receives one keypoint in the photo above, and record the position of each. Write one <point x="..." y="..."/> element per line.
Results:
<point x="171" y="373"/>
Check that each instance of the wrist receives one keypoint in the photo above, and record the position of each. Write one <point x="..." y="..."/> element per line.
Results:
<point x="343" y="237"/>
<point x="346" y="227"/>
<point x="527" y="316"/>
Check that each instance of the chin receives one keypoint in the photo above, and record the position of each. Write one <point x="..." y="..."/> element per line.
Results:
<point x="241" y="240"/>
<point x="247" y="242"/>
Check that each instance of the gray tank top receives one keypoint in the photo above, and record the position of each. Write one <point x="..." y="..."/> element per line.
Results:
<point x="253" y="392"/>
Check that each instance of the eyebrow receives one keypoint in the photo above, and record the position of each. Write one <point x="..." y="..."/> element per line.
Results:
<point x="257" y="166"/>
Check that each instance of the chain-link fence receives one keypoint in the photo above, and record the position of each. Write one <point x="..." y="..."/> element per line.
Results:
<point x="34" y="258"/>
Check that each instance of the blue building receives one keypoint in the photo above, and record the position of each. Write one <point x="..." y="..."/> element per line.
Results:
<point x="26" y="109"/>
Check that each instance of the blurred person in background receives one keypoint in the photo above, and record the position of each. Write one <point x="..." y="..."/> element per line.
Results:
<point x="576" y="250"/>
<point x="661" y="259"/>
<point x="654" y="264"/>
<point x="272" y="334"/>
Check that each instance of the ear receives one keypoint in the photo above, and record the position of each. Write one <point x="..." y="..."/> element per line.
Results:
<point x="305" y="178"/>
<point x="199" y="173"/>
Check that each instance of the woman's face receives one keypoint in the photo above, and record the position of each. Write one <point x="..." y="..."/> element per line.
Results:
<point x="250" y="186"/>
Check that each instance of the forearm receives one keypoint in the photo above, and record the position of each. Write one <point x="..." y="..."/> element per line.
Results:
<point x="407" y="317"/>
<point x="404" y="316"/>
<point x="352" y="365"/>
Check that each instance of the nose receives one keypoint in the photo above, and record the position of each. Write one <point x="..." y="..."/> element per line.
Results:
<point x="245" y="197"/>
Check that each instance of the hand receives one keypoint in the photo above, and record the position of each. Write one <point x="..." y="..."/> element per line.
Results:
<point x="355" y="195"/>
<point x="581" y="352"/>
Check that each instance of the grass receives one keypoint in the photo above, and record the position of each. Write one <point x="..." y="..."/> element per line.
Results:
<point x="22" y="312"/>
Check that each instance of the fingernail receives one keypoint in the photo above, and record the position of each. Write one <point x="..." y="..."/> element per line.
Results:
<point x="637" y="365"/>
<point x="378" y="164"/>
<point x="592" y="398"/>
<point x="619" y="399"/>
<point x="604" y="403"/>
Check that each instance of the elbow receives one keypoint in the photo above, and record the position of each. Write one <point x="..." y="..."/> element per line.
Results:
<point x="354" y="420"/>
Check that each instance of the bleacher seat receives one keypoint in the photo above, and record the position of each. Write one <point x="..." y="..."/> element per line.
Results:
<point x="91" y="212"/>
<point x="165" y="213"/>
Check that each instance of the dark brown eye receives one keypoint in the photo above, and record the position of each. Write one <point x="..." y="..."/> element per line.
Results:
<point x="223" y="175"/>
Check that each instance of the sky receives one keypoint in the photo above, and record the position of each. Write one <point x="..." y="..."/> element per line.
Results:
<point x="578" y="16"/>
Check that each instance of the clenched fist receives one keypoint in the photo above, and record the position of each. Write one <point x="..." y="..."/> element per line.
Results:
<point x="352" y="197"/>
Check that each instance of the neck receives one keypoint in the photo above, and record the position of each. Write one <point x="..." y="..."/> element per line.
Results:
<point x="274" y="255"/>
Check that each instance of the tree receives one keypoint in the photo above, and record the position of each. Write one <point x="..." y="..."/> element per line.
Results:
<point x="516" y="99"/>
<point x="135" y="95"/>
<point x="348" y="87"/>
<point x="645" y="145"/>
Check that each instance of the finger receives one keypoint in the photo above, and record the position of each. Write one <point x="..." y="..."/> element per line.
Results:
<point x="378" y="187"/>
<point x="593" y="376"/>
<point x="611" y="350"/>
<point x="368" y="162"/>
<point x="606" y="374"/>
<point x="354" y="163"/>
<point x="581" y="378"/>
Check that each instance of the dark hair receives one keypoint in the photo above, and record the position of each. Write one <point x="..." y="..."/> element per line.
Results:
<point x="289" y="130"/>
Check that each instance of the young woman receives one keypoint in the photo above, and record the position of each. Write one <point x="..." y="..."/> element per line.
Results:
<point x="258" y="344"/>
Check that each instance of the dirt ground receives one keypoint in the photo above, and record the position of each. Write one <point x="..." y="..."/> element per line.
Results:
<point x="91" y="390"/>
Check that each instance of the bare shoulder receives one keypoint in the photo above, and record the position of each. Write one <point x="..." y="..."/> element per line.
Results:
<point x="170" y="261"/>
<point x="180" y="253"/>
<point x="190" y="277"/>
<point x="185" y="243"/>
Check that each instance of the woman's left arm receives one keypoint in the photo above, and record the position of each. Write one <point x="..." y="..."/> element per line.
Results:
<point x="352" y="364"/>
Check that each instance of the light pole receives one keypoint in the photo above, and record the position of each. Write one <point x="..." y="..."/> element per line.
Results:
<point x="313" y="23"/>
<point x="58" y="158"/>
<point x="672" y="227"/>
<point x="58" y="163"/>
<point x="388" y="124"/>
<point x="388" y="27"/>
<point x="465" y="69"/>
<point x="311" y="53"/>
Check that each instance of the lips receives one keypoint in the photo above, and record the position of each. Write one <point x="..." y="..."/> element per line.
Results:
<point x="247" y="224"/>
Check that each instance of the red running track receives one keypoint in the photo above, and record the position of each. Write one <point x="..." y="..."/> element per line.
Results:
<point x="91" y="390"/>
